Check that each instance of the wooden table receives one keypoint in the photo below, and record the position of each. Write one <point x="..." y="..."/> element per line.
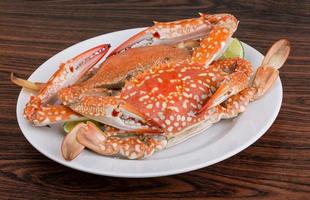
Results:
<point x="275" y="167"/>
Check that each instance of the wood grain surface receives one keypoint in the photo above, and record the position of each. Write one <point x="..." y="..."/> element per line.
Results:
<point x="277" y="166"/>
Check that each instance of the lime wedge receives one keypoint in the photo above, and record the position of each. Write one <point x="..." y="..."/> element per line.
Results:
<point x="235" y="49"/>
<point x="68" y="126"/>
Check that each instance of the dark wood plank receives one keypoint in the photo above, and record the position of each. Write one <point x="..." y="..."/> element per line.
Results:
<point x="275" y="167"/>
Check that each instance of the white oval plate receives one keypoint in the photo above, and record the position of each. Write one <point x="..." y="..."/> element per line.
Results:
<point x="219" y="142"/>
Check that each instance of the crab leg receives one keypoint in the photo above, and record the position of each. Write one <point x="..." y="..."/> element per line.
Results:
<point x="70" y="147"/>
<point x="268" y="72"/>
<point x="67" y="74"/>
<point x="265" y="77"/>
<point x="213" y="46"/>
<point x="238" y="73"/>
<point x="71" y="71"/>
<point x="214" y="29"/>
<point x="130" y="146"/>
<point x="51" y="114"/>
<point x="101" y="104"/>
<point x="167" y="33"/>
<point x="35" y="86"/>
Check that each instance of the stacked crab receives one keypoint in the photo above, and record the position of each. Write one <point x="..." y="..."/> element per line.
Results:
<point x="160" y="87"/>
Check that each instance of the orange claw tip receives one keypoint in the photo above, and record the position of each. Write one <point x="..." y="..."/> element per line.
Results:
<point x="129" y="42"/>
<point x="91" y="56"/>
<point x="70" y="147"/>
<point x="100" y="49"/>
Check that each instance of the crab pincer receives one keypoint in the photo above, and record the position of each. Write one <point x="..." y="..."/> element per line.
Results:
<point x="214" y="32"/>
<point x="67" y="74"/>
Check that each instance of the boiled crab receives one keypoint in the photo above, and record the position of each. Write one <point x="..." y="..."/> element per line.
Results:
<point x="159" y="99"/>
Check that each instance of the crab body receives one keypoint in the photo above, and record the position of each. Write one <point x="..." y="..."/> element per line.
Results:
<point x="158" y="88"/>
<point x="172" y="94"/>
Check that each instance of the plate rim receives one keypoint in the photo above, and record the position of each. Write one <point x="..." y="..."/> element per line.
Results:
<point x="229" y="154"/>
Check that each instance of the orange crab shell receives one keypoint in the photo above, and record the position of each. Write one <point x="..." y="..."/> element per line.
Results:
<point x="169" y="94"/>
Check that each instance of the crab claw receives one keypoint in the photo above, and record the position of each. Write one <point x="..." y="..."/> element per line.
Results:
<point x="88" y="59"/>
<point x="237" y="82"/>
<point x="71" y="71"/>
<point x="167" y="33"/>
<point x="70" y="147"/>
<point x="67" y="74"/>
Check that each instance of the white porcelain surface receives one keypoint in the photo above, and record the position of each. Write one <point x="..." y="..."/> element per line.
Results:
<point x="219" y="142"/>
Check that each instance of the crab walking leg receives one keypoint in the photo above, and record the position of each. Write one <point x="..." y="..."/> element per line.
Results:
<point x="67" y="74"/>
<point x="235" y="73"/>
<point x="231" y="107"/>
<point x="51" y="114"/>
<point x="264" y="78"/>
<point x="213" y="46"/>
<point x="48" y="114"/>
<point x="130" y="146"/>
<point x="34" y="86"/>
<point x="37" y="86"/>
